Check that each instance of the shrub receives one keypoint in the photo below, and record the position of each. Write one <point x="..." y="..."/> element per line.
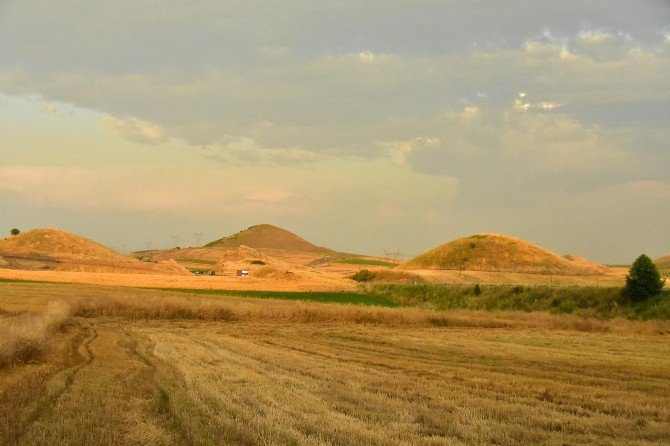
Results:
<point x="643" y="280"/>
<point x="363" y="275"/>
<point x="477" y="290"/>
<point x="15" y="231"/>
<point x="257" y="262"/>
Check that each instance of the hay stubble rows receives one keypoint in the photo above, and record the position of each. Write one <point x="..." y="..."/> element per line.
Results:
<point x="149" y="367"/>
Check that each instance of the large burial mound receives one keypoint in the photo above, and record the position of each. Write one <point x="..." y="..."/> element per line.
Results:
<point x="60" y="250"/>
<point x="267" y="237"/>
<point x="493" y="252"/>
<point x="54" y="244"/>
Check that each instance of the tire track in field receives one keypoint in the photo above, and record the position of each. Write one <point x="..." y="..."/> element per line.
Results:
<point x="109" y="399"/>
<point x="163" y="407"/>
<point x="45" y="405"/>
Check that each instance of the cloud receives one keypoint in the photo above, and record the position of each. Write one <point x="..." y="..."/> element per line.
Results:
<point x="46" y="186"/>
<point x="401" y="151"/>
<point x="50" y="109"/>
<point x="245" y="150"/>
<point x="135" y="130"/>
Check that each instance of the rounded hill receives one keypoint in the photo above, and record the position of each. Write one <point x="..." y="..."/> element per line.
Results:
<point x="493" y="252"/>
<point x="56" y="244"/>
<point x="63" y="251"/>
<point x="269" y="237"/>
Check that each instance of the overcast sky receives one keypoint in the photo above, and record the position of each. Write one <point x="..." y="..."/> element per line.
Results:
<point x="361" y="126"/>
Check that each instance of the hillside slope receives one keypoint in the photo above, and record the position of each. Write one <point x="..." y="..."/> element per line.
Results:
<point x="663" y="265"/>
<point x="493" y="252"/>
<point x="267" y="236"/>
<point x="54" y="249"/>
<point x="54" y="244"/>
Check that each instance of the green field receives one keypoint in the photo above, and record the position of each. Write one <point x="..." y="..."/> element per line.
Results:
<point x="307" y="296"/>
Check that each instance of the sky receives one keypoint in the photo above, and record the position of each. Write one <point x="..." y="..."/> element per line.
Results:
<point x="361" y="126"/>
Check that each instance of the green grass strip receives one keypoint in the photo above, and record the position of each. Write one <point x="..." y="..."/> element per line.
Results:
<point x="307" y="296"/>
<point x="25" y="281"/>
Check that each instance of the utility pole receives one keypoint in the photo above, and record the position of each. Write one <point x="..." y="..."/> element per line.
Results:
<point x="198" y="238"/>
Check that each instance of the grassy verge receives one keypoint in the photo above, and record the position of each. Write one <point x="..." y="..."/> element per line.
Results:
<point x="307" y="296"/>
<point x="25" y="281"/>
<point x="601" y="303"/>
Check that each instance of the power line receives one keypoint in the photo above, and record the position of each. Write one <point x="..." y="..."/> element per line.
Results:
<point x="198" y="238"/>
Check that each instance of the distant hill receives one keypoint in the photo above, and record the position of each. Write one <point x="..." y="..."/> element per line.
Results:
<point x="493" y="252"/>
<point x="663" y="265"/>
<point x="52" y="244"/>
<point x="267" y="236"/>
<point x="59" y="250"/>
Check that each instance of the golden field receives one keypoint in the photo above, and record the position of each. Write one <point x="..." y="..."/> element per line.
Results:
<point x="126" y="366"/>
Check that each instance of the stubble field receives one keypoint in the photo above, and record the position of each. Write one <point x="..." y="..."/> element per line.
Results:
<point x="123" y="366"/>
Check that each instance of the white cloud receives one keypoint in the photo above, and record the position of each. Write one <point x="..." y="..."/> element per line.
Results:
<point x="135" y="130"/>
<point x="50" y="109"/>
<point x="245" y="150"/>
<point x="401" y="151"/>
<point x="548" y="105"/>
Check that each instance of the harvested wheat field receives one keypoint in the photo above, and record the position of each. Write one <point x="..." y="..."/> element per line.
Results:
<point x="297" y="282"/>
<point x="122" y="366"/>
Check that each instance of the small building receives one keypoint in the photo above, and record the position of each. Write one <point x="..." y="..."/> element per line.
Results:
<point x="242" y="273"/>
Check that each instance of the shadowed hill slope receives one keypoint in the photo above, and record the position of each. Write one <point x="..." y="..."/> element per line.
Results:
<point x="267" y="236"/>
<point x="493" y="252"/>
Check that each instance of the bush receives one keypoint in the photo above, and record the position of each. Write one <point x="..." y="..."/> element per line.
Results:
<point x="15" y="231"/>
<point x="257" y="262"/>
<point x="643" y="280"/>
<point x="363" y="275"/>
<point x="477" y="290"/>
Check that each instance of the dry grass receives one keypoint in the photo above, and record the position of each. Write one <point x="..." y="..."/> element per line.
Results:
<point x="63" y="251"/>
<point x="166" y="368"/>
<point x="267" y="236"/>
<point x="343" y="384"/>
<point x="23" y="337"/>
<point x="493" y="252"/>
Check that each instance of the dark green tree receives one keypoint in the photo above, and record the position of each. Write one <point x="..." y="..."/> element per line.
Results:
<point x="643" y="280"/>
<point x="15" y="231"/>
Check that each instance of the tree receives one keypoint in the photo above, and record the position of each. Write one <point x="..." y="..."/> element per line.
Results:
<point x="643" y="280"/>
<point x="15" y="231"/>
